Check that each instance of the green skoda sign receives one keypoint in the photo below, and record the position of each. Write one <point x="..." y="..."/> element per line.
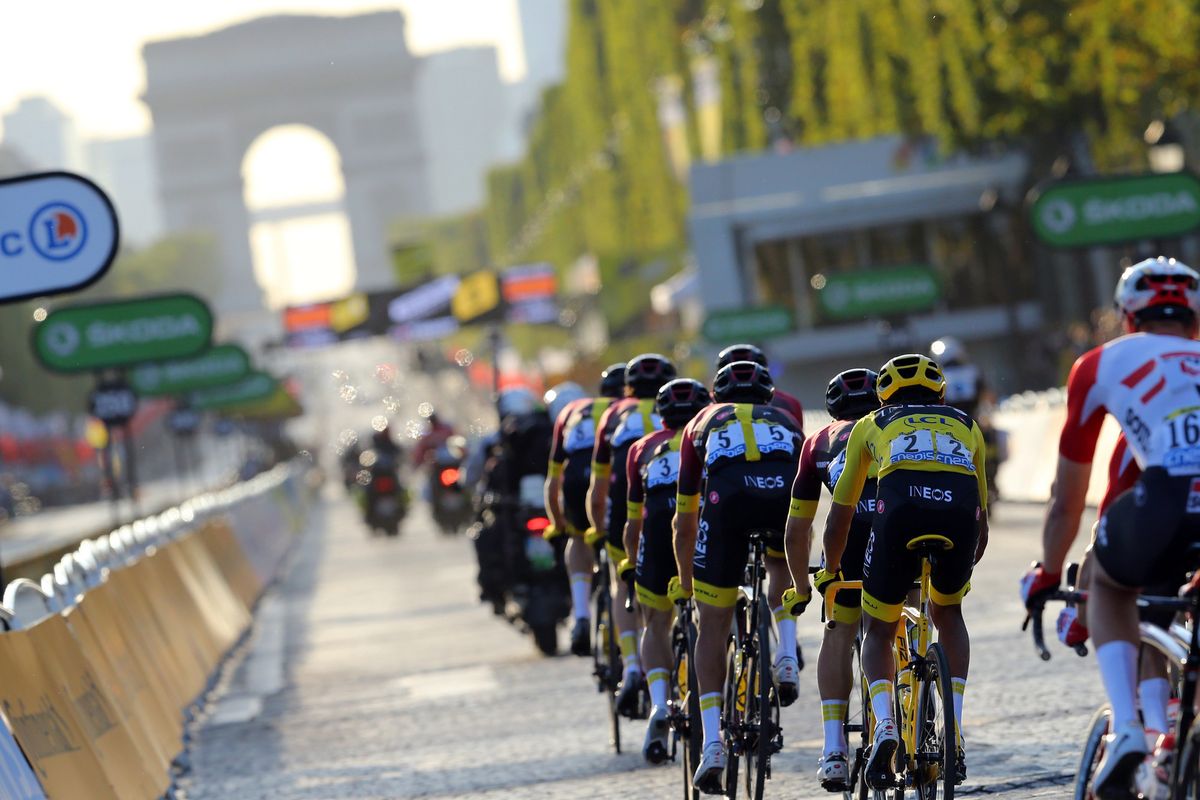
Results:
<point x="218" y="366"/>
<point x="1116" y="210"/>
<point x="255" y="386"/>
<point x="123" y="333"/>
<point x="879" y="292"/>
<point x="722" y="327"/>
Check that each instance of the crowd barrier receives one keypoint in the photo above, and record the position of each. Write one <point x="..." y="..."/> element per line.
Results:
<point x="1033" y="422"/>
<point x="102" y="659"/>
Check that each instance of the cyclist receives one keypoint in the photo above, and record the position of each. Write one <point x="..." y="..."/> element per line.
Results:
<point x="965" y="386"/>
<point x="930" y="459"/>
<point x="740" y="456"/>
<point x="653" y="469"/>
<point x="439" y="431"/>
<point x="748" y="352"/>
<point x="850" y="396"/>
<point x="1147" y="379"/>
<point x="622" y="424"/>
<point x="567" y="481"/>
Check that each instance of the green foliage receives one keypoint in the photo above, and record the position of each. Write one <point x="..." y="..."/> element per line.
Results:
<point x="185" y="262"/>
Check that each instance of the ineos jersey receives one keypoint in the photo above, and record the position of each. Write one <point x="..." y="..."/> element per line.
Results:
<point x="728" y="434"/>
<point x="822" y="460"/>
<point x="1150" y="383"/>
<point x="575" y="428"/>
<point x="621" y="426"/>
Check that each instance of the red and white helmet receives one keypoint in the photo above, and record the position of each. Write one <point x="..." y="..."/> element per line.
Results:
<point x="1158" y="288"/>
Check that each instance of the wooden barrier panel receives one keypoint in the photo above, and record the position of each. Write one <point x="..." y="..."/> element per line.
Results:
<point x="231" y="560"/>
<point x="142" y="685"/>
<point x="45" y="725"/>
<point x="182" y="624"/>
<point x="222" y="611"/>
<point x="126" y="765"/>
<point x="131" y="704"/>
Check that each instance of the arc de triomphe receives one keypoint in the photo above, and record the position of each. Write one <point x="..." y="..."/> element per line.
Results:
<point x="351" y="78"/>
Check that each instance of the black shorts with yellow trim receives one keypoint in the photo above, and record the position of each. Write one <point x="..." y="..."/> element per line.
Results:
<point x="656" y="552"/>
<point x="847" y="605"/>
<point x="618" y="513"/>
<point x="574" y="494"/>
<point x="742" y="497"/>
<point x="911" y="503"/>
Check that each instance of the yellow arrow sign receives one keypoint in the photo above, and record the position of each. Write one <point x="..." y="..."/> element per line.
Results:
<point x="478" y="293"/>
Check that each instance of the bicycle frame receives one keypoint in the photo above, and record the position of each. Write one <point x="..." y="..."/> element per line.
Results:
<point x="746" y="647"/>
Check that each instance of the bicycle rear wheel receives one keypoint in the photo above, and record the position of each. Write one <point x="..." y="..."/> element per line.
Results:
<point x="606" y="660"/>
<point x="684" y="681"/>
<point x="762" y="710"/>
<point x="1093" y="752"/>
<point x="936" y="759"/>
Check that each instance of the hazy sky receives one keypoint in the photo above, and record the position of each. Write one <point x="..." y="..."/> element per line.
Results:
<point x="86" y="54"/>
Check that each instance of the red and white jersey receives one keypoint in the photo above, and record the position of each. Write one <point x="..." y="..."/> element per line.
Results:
<point x="1150" y="383"/>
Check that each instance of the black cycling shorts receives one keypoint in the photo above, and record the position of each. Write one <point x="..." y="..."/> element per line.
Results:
<point x="1143" y="537"/>
<point x="656" y="552"/>
<point x="574" y="495"/>
<point x="913" y="503"/>
<point x="742" y="497"/>
<point x="618" y="513"/>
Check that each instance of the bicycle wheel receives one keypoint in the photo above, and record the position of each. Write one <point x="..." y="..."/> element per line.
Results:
<point x="688" y="729"/>
<point x="606" y="660"/>
<point x="1093" y="751"/>
<point x="737" y="690"/>
<point x="762" y="711"/>
<point x="1187" y="771"/>
<point x="936" y="759"/>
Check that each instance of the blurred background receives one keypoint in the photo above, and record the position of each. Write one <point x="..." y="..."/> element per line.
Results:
<point x="364" y="192"/>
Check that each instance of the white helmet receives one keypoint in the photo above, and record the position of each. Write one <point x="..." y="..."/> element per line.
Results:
<point x="948" y="350"/>
<point x="515" y="401"/>
<point x="559" y="396"/>
<point x="1158" y="288"/>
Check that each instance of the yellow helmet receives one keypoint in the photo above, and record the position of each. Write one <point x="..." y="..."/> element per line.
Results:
<point x="909" y="371"/>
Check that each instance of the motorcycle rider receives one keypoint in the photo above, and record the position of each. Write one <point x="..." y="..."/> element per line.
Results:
<point x="439" y="431"/>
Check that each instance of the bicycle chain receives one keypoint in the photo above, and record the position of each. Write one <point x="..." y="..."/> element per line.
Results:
<point x="1034" y="782"/>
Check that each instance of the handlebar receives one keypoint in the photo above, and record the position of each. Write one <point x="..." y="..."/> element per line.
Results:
<point x="630" y="594"/>
<point x="1033" y="619"/>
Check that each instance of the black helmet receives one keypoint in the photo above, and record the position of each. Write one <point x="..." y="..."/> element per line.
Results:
<point x="612" y="380"/>
<point x="851" y="394"/>
<point x="646" y="373"/>
<point x="743" y="382"/>
<point x="680" y="400"/>
<point x="741" y="352"/>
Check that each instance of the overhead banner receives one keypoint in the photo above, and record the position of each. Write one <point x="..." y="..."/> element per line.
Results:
<point x="58" y="233"/>
<point x="317" y="324"/>
<point x="216" y="366"/>
<point x="122" y="333"/>
<point x="255" y="386"/>
<point x="883" y="292"/>
<point x="741" y="324"/>
<point x="1100" y="211"/>
<point x="530" y="292"/>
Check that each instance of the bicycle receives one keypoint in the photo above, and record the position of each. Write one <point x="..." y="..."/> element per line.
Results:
<point x="607" y="666"/>
<point x="927" y="758"/>
<point x="1180" y="647"/>
<point x="750" y="720"/>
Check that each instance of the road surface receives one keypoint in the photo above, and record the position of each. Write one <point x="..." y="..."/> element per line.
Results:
<point x="374" y="673"/>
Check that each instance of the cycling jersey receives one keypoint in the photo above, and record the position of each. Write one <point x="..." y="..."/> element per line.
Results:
<point x="964" y="386"/>
<point x="1123" y="473"/>
<point x="920" y="438"/>
<point x="743" y="456"/>
<point x="930" y="462"/>
<point x="1148" y="382"/>
<point x="822" y="460"/>
<point x="571" y="455"/>
<point x="622" y="424"/>
<point x="653" y="469"/>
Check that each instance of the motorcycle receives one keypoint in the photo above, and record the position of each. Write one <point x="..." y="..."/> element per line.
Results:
<point x="386" y="501"/>
<point x="448" y="500"/>
<point x="541" y="592"/>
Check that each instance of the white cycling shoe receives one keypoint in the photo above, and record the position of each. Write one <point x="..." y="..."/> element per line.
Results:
<point x="1124" y="751"/>
<point x="880" y="773"/>
<point x="787" y="680"/>
<point x="709" y="777"/>
<point x="833" y="772"/>
<point x="654" y="749"/>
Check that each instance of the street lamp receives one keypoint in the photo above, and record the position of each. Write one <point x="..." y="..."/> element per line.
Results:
<point x="1165" y="152"/>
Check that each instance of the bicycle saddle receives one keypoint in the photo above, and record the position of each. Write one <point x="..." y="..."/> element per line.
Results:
<point x="930" y="543"/>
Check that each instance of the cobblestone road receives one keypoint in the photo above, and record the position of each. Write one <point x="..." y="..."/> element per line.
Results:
<point x="374" y="674"/>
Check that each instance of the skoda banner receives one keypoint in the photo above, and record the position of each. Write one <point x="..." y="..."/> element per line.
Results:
<point x="123" y="332"/>
<point x="255" y="386"/>
<point x="218" y="366"/>
<point x="1104" y="211"/>
<point x="58" y="233"/>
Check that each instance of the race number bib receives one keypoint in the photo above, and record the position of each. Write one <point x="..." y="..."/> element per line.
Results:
<point x="631" y="429"/>
<point x="1180" y="437"/>
<point x="581" y="436"/>
<point x="663" y="470"/>
<point x="730" y="441"/>
<point x="835" y="469"/>
<point x="926" y="445"/>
